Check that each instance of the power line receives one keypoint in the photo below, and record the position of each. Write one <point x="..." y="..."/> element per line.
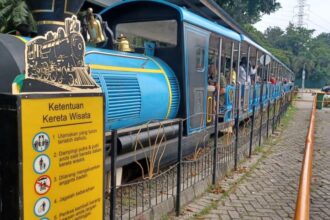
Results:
<point x="320" y="26"/>
<point x="325" y="20"/>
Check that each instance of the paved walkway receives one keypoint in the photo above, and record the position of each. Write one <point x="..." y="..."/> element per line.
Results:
<point x="268" y="190"/>
<point x="320" y="204"/>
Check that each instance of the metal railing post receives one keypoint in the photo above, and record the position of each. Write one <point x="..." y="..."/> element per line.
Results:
<point x="274" y="111"/>
<point x="178" y="176"/>
<point x="215" y="146"/>
<point x="280" y="112"/>
<point x="252" y="125"/>
<point x="114" y="140"/>
<point x="261" y="112"/>
<point x="237" y="125"/>
<point x="268" y="109"/>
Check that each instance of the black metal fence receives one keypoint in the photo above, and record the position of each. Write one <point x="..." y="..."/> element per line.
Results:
<point x="210" y="162"/>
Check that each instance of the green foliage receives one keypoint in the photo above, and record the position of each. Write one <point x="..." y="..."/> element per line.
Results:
<point x="14" y="13"/>
<point x="268" y="44"/>
<point x="311" y="52"/>
<point x="296" y="47"/>
<point x="248" y="11"/>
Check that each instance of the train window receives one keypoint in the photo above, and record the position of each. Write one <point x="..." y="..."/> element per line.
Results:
<point x="200" y="54"/>
<point x="163" y="33"/>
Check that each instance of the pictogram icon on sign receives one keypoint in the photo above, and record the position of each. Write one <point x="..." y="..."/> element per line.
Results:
<point x="42" y="185"/>
<point x="41" y="164"/>
<point x="41" y="142"/>
<point x="41" y="207"/>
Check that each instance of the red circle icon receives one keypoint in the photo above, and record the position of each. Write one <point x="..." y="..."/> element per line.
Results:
<point x="42" y="185"/>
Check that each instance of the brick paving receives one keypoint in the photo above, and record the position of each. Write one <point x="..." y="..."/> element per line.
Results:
<point x="320" y="203"/>
<point x="269" y="190"/>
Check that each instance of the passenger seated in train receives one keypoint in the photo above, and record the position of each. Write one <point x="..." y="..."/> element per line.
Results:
<point x="253" y="73"/>
<point x="223" y="85"/>
<point x="213" y="85"/>
<point x="242" y="76"/>
<point x="233" y="74"/>
<point x="272" y="80"/>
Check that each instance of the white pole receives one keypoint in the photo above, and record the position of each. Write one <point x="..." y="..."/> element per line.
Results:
<point x="303" y="78"/>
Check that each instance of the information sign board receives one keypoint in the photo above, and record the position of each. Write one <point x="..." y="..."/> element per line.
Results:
<point x="62" y="157"/>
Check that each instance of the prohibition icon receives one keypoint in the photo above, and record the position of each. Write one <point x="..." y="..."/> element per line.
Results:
<point x="41" y="164"/>
<point x="42" y="206"/>
<point x="41" y="142"/>
<point x="42" y="185"/>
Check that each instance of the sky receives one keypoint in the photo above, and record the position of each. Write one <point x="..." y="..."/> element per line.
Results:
<point x="317" y="16"/>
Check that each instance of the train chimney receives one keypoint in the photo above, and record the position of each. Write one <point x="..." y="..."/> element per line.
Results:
<point x="50" y="14"/>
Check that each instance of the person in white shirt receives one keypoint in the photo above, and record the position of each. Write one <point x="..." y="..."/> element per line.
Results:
<point x="242" y="76"/>
<point x="253" y="73"/>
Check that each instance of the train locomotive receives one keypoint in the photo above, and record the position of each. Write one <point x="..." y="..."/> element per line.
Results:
<point x="165" y="78"/>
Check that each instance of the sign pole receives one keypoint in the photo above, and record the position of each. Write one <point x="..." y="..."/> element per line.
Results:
<point x="303" y="78"/>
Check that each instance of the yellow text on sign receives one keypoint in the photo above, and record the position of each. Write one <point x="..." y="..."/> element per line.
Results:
<point x="63" y="157"/>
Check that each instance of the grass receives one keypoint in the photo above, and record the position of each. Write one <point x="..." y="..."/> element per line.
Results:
<point x="264" y="150"/>
<point x="165" y="217"/>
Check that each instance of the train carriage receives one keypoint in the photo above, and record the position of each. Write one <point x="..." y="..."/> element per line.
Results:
<point x="173" y="72"/>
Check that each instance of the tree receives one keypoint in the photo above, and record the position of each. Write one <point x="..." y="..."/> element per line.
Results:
<point x="268" y="43"/>
<point x="14" y="13"/>
<point x="302" y="50"/>
<point x="274" y="35"/>
<point x="295" y="46"/>
<point x="248" y="11"/>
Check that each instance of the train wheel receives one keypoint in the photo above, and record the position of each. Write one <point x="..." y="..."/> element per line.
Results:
<point x="47" y="76"/>
<point x="71" y="80"/>
<point x="53" y="76"/>
<point x="59" y="78"/>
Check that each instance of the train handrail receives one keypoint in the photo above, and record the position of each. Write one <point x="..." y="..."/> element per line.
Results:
<point x="303" y="198"/>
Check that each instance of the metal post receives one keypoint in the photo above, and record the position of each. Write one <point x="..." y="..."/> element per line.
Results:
<point x="114" y="140"/>
<point x="268" y="117"/>
<point x="303" y="78"/>
<point x="216" y="118"/>
<point x="274" y="110"/>
<point x="261" y="111"/>
<point x="252" y="124"/>
<point x="178" y="173"/>
<point x="237" y="125"/>
<point x="280" y="112"/>
<point x="215" y="146"/>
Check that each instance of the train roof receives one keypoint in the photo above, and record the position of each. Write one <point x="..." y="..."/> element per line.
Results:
<point x="186" y="16"/>
<point x="251" y="42"/>
<point x="280" y="62"/>
<point x="248" y="40"/>
<point x="190" y="17"/>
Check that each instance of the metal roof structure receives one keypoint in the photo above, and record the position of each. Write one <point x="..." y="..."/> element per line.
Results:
<point x="212" y="11"/>
<point x="189" y="17"/>
<point x="208" y="9"/>
<point x="249" y="41"/>
<point x="197" y="20"/>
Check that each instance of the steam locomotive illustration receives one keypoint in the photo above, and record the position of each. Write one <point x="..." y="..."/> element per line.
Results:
<point x="171" y="72"/>
<point x="58" y="56"/>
